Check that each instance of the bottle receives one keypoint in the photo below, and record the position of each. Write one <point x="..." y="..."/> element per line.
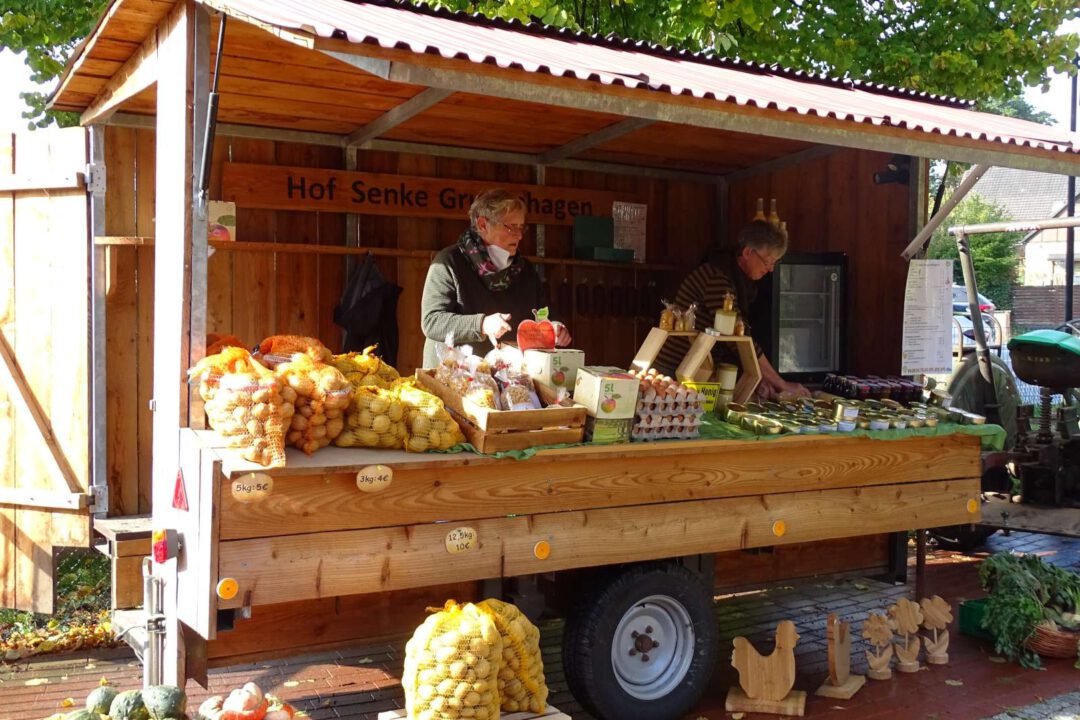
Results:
<point x="774" y="217"/>
<point x="724" y="319"/>
<point x="760" y="214"/>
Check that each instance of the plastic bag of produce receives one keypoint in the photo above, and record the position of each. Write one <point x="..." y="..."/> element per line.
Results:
<point x="322" y="395"/>
<point x="428" y="424"/>
<point x="521" y="678"/>
<point x="518" y="391"/>
<point x="374" y="418"/>
<point x="451" y="666"/>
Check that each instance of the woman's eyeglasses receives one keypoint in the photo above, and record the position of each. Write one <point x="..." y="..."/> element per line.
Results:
<point x="769" y="264"/>
<point x="515" y="229"/>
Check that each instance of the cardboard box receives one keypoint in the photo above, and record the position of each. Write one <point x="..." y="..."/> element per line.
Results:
<point x="557" y="368"/>
<point x="606" y="392"/>
<point x="602" y="431"/>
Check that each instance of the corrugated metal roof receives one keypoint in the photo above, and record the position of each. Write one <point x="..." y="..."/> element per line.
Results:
<point x="614" y="62"/>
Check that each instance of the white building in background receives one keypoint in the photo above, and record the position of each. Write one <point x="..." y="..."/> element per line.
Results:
<point x="1026" y="195"/>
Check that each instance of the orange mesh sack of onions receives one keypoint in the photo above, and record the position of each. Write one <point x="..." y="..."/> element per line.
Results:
<point x="246" y="404"/>
<point x="322" y="395"/>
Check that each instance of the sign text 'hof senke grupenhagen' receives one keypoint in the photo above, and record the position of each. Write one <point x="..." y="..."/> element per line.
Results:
<point x="299" y="188"/>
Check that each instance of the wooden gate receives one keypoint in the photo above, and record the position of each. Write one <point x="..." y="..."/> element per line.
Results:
<point x="44" y="373"/>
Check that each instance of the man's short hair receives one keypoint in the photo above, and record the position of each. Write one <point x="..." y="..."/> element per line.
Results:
<point x="494" y="205"/>
<point x="762" y="235"/>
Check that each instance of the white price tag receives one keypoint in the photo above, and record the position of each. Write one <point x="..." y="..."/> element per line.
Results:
<point x="461" y="540"/>
<point x="374" y="478"/>
<point x="252" y="487"/>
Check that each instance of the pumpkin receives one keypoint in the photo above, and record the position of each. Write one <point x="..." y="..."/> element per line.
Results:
<point x="100" y="700"/>
<point x="128" y="705"/>
<point x="279" y="709"/>
<point x="165" y="702"/>
<point x="246" y="703"/>
<point x="211" y="708"/>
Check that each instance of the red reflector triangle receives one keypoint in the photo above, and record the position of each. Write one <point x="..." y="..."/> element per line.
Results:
<point x="179" y="496"/>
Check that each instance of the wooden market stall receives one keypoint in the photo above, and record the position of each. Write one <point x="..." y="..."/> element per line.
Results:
<point x="319" y="107"/>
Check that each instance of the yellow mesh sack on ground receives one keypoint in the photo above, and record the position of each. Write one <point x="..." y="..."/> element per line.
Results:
<point x="451" y="665"/>
<point x="428" y="424"/>
<point x="246" y="404"/>
<point x="375" y="418"/>
<point x="322" y="395"/>
<point x="521" y="678"/>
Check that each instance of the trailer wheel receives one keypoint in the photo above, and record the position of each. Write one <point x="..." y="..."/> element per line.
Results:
<point x="642" y="644"/>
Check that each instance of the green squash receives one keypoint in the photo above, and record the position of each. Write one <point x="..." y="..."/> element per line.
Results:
<point x="128" y="705"/>
<point x="82" y="715"/>
<point x="165" y="702"/>
<point x="100" y="700"/>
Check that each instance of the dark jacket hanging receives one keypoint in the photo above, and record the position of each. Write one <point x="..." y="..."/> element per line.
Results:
<point x="368" y="311"/>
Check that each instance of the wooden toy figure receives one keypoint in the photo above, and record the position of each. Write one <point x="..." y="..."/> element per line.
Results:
<point x="841" y="684"/>
<point x="877" y="630"/>
<point x="907" y="617"/>
<point x="937" y="614"/>
<point x="765" y="681"/>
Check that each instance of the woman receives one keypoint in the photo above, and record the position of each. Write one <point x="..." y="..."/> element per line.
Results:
<point x="760" y="248"/>
<point x="481" y="287"/>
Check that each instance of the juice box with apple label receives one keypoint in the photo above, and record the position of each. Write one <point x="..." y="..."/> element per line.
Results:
<point x="556" y="368"/>
<point x="606" y="392"/>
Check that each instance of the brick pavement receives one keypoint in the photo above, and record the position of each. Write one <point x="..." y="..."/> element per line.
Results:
<point x="360" y="682"/>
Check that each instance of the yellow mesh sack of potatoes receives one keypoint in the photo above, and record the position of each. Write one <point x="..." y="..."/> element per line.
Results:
<point x="451" y="665"/>
<point x="322" y="395"/>
<point x="375" y="419"/>
<point x="428" y="424"/>
<point x="521" y="678"/>
<point x="364" y="368"/>
<point x="246" y="404"/>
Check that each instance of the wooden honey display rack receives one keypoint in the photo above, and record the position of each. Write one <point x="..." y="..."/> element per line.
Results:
<point x="696" y="366"/>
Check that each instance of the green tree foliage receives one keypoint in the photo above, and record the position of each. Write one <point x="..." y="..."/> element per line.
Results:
<point x="48" y="31"/>
<point x="977" y="49"/>
<point x="974" y="49"/>
<point x="993" y="254"/>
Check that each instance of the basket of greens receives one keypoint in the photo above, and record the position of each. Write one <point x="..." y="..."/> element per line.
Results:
<point x="1033" y="608"/>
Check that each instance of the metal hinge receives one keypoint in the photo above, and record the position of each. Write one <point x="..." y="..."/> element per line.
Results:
<point x="100" y="497"/>
<point x="96" y="178"/>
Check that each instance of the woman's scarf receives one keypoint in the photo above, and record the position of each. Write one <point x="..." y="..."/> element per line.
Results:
<point x="476" y="251"/>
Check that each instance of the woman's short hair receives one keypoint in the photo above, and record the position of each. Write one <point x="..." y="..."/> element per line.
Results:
<point x="494" y="205"/>
<point x="761" y="235"/>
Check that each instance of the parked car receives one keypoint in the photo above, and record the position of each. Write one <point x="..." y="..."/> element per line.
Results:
<point x="960" y="301"/>
<point x="962" y="327"/>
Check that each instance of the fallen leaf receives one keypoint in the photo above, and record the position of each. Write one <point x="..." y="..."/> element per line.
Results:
<point x="996" y="659"/>
<point x="67" y="702"/>
<point x="290" y="683"/>
<point x="955" y="683"/>
<point x="103" y="681"/>
<point x="860" y="586"/>
<point x="365" y="661"/>
<point x="739" y="716"/>
<point x="37" y="681"/>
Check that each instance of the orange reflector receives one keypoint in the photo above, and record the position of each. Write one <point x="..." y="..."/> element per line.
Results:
<point x="779" y="528"/>
<point x="227" y="588"/>
<point x="972" y="505"/>
<point x="542" y="550"/>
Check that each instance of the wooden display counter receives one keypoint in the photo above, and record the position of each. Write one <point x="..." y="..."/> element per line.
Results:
<point x="308" y="532"/>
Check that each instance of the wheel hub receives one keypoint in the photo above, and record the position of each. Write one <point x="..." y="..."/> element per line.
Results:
<point x="653" y="647"/>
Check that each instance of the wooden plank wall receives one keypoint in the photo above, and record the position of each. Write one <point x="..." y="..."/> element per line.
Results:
<point x="832" y="205"/>
<point x="44" y="290"/>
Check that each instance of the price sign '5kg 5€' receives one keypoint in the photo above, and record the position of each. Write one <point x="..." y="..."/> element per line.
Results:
<point x="461" y="540"/>
<point x="252" y="487"/>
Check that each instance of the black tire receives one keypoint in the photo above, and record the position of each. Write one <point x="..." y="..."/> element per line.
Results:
<point x="591" y="628"/>
<point x="964" y="538"/>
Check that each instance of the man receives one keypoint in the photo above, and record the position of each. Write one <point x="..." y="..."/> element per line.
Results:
<point x="761" y="246"/>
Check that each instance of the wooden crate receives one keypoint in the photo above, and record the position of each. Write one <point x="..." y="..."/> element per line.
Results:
<point x="491" y="431"/>
<point x="551" y="713"/>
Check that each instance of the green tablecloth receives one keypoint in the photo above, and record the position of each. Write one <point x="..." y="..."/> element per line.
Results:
<point x="992" y="437"/>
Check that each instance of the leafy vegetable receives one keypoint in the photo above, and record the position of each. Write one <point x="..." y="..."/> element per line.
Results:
<point x="1025" y="592"/>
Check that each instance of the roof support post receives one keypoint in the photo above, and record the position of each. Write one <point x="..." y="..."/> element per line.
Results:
<point x="947" y="207"/>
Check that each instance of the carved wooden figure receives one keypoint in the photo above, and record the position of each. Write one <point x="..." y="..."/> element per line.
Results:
<point x="907" y="617"/>
<point x="765" y="681"/>
<point x="841" y="683"/>
<point x="937" y="614"/>
<point x="877" y="630"/>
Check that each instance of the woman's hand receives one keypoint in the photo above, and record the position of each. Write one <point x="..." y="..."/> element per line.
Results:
<point x="495" y="325"/>
<point x="562" y="335"/>
<point x="793" y="389"/>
